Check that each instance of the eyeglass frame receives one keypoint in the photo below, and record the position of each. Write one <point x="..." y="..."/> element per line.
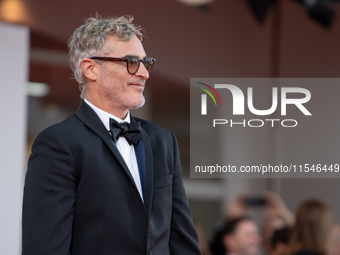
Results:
<point x="127" y="62"/>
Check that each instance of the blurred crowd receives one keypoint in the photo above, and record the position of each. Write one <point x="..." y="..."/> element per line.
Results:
<point x="310" y="231"/>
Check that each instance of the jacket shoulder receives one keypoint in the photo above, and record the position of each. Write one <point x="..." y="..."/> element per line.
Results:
<point x="66" y="129"/>
<point x="153" y="130"/>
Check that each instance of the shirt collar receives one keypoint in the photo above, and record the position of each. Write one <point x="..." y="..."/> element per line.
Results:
<point x="105" y="116"/>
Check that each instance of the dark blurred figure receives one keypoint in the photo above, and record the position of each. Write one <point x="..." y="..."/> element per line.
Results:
<point x="279" y="241"/>
<point x="240" y="236"/>
<point x="312" y="232"/>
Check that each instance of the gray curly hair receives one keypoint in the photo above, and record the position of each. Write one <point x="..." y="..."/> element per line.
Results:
<point x="88" y="40"/>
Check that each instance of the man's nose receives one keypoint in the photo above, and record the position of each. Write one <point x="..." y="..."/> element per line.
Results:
<point x="142" y="72"/>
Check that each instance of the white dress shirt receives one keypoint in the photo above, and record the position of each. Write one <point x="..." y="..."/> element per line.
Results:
<point x="126" y="150"/>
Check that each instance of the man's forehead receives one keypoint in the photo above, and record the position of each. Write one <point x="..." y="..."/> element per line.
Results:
<point x="130" y="48"/>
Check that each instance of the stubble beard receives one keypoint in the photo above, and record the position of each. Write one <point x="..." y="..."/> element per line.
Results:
<point x="123" y="99"/>
<point x="137" y="103"/>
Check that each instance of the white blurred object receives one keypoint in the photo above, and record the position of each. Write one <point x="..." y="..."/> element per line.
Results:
<point x="37" y="89"/>
<point x="195" y="2"/>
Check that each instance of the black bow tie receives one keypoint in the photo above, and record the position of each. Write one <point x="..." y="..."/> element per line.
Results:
<point x="131" y="131"/>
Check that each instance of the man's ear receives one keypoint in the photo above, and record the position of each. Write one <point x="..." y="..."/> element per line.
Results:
<point x="90" y="69"/>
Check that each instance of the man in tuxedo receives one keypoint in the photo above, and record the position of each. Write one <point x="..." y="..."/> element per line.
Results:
<point x="103" y="182"/>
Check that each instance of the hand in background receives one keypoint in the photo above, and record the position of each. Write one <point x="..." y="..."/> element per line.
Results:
<point x="277" y="208"/>
<point x="237" y="208"/>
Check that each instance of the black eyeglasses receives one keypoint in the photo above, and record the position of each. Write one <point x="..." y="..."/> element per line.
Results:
<point x="132" y="63"/>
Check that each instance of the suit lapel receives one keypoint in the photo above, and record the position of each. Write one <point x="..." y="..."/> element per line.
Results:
<point x="86" y="115"/>
<point x="141" y="162"/>
<point x="149" y="179"/>
<point x="143" y="150"/>
<point x="144" y="147"/>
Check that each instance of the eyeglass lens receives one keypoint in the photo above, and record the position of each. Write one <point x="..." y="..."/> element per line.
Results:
<point x="134" y="63"/>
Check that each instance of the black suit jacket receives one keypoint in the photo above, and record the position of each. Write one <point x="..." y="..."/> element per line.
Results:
<point x="80" y="199"/>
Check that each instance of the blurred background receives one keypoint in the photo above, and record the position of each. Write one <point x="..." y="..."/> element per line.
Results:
<point x="189" y="39"/>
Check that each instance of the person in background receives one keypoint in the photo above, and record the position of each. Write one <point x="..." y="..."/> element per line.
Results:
<point x="279" y="241"/>
<point x="311" y="234"/>
<point x="271" y="208"/>
<point x="277" y="217"/>
<point x="240" y="236"/>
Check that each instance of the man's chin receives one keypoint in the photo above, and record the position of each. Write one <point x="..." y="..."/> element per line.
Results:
<point x="137" y="105"/>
